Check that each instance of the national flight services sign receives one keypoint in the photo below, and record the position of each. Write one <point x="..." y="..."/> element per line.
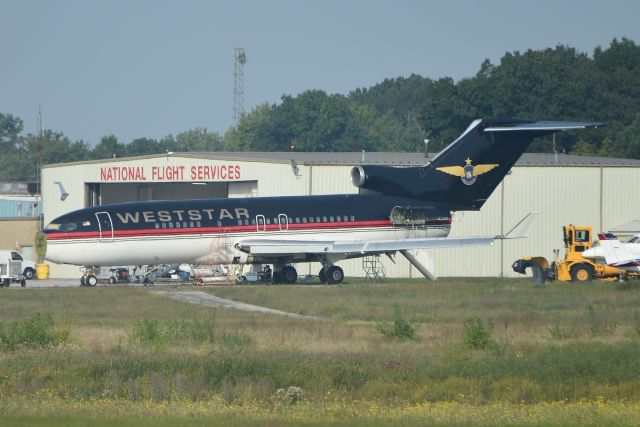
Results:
<point x="170" y="173"/>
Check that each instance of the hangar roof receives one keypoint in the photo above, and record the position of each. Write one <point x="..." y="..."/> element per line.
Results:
<point x="409" y="159"/>
<point x="376" y="158"/>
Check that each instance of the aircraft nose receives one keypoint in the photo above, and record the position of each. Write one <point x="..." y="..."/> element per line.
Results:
<point x="593" y="253"/>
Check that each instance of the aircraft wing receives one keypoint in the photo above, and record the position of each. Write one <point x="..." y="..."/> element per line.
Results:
<point x="616" y="254"/>
<point x="291" y="247"/>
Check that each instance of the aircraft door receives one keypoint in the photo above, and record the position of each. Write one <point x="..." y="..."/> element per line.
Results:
<point x="106" y="226"/>
<point x="261" y="224"/>
<point x="283" y="222"/>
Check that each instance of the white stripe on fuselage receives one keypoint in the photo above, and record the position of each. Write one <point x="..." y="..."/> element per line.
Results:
<point x="206" y="248"/>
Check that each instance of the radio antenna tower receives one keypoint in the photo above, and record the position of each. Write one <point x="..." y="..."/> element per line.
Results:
<point x="238" y="85"/>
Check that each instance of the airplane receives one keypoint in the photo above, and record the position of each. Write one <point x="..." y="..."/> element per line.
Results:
<point x="623" y="255"/>
<point x="397" y="209"/>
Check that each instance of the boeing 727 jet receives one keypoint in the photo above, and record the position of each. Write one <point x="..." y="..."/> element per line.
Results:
<point x="392" y="203"/>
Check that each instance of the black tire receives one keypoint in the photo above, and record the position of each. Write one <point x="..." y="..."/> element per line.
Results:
<point x="277" y="277"/>
<point x="323" y="276"/>
<point x="91" y="280"/>
<point x="539" y="275"/>
<point x="29" y="273"/>
<point x="289" y="274"/>
<point x="83" y="281"/>
<point x="335" y="275"/>
<point x="112" y="280"/>
<point x="581" y="273"/>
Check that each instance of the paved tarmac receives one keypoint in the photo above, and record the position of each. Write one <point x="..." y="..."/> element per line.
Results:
<point x="190" y="296"/>
<point x="203" y="298"/>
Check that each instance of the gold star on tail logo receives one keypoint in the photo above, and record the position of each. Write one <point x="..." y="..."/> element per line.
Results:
<point x="468" y="173"/>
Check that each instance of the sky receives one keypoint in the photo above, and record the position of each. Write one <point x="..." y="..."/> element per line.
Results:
<point x="150" y="68"/>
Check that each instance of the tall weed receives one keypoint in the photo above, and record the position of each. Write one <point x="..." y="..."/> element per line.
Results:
<point x="477" y="333"/>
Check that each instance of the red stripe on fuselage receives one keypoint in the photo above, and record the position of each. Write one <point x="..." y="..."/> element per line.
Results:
<point x="230" y="229"/>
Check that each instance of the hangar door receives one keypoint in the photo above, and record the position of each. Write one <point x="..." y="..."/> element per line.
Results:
<point x="102" y="194"/>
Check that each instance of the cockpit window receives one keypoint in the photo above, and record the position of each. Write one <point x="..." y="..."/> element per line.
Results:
<point x="632" y="239"/>
<point x="69" y="226"/>
<point x="52" y="227"/>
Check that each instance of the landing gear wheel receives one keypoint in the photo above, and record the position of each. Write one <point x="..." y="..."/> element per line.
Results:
<point x="322" y="276"/>
<point x="83" y="281"/>
<point x="289" y="275"/>
<point x="112" y="280"/>
<point x="29" y="273"/>
<point x="335" y="275"/>
<point x="581" y="273"/>
<point x="91" y="280"/>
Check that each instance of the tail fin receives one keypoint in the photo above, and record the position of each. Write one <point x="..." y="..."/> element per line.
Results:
<point x="465" y="173"/>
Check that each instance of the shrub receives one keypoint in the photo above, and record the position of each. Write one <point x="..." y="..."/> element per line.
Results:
<point x="477" y="333"/>
<point x="37" y="331"/>
<point x="290" y="396"/>
<point x="400" y="329"/>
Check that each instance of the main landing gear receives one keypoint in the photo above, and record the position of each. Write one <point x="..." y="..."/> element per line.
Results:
<point x="332" y="275"/>
<point x="287" y="275"/>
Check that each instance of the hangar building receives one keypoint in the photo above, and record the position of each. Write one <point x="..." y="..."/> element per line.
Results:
<point x="562" y="188"/>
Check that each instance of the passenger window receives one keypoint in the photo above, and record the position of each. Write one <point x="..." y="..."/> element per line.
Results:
<point x="253" y="222"/>
<point x="268" y="220"/>
<point x="170" y="224"/>
<point x="353" y="218"/>
<point x="304" y="219"/>
<point x="198" y="224"/>
<point x="311" y="219"/>
<point x="164" y="225"/>
<point x="191" y="224"/>
<point x="15" y="256"/>
<point x="317" y="219"/>
<point x="157" y="225"/>
<point x="72" y="226"/>
<point x="219" y="223"/>
<point x="324" y="219"/>
<point x="331" y="219"/>
<point x="339" y="218"/>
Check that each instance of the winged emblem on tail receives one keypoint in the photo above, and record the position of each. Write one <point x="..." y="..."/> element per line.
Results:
<point x="468" y="173"/>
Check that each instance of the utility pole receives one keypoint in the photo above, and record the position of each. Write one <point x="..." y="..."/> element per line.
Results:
<point x="240" y="58"/>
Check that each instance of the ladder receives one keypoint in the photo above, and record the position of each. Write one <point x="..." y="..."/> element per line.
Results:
<point x="373" y="269"/>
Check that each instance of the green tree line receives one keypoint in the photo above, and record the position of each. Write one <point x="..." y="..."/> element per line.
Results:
<point x="558" y="83"/>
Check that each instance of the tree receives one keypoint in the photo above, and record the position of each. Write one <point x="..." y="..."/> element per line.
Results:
<point x="108" y="148"/>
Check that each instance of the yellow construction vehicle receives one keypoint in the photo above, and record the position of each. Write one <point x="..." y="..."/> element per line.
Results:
<point x="573" y="268"/>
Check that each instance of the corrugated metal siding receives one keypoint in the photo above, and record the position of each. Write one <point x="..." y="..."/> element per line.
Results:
<point x="621" y="203"/>
<point x="332" y="180"/>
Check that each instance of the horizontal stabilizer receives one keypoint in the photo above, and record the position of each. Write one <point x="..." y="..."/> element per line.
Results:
<point x="542" y="126"/>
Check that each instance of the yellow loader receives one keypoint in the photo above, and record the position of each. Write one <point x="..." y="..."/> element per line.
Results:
<point x="574" y="267"/>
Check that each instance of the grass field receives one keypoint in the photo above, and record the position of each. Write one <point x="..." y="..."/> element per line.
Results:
<point x="454" y="352"/>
